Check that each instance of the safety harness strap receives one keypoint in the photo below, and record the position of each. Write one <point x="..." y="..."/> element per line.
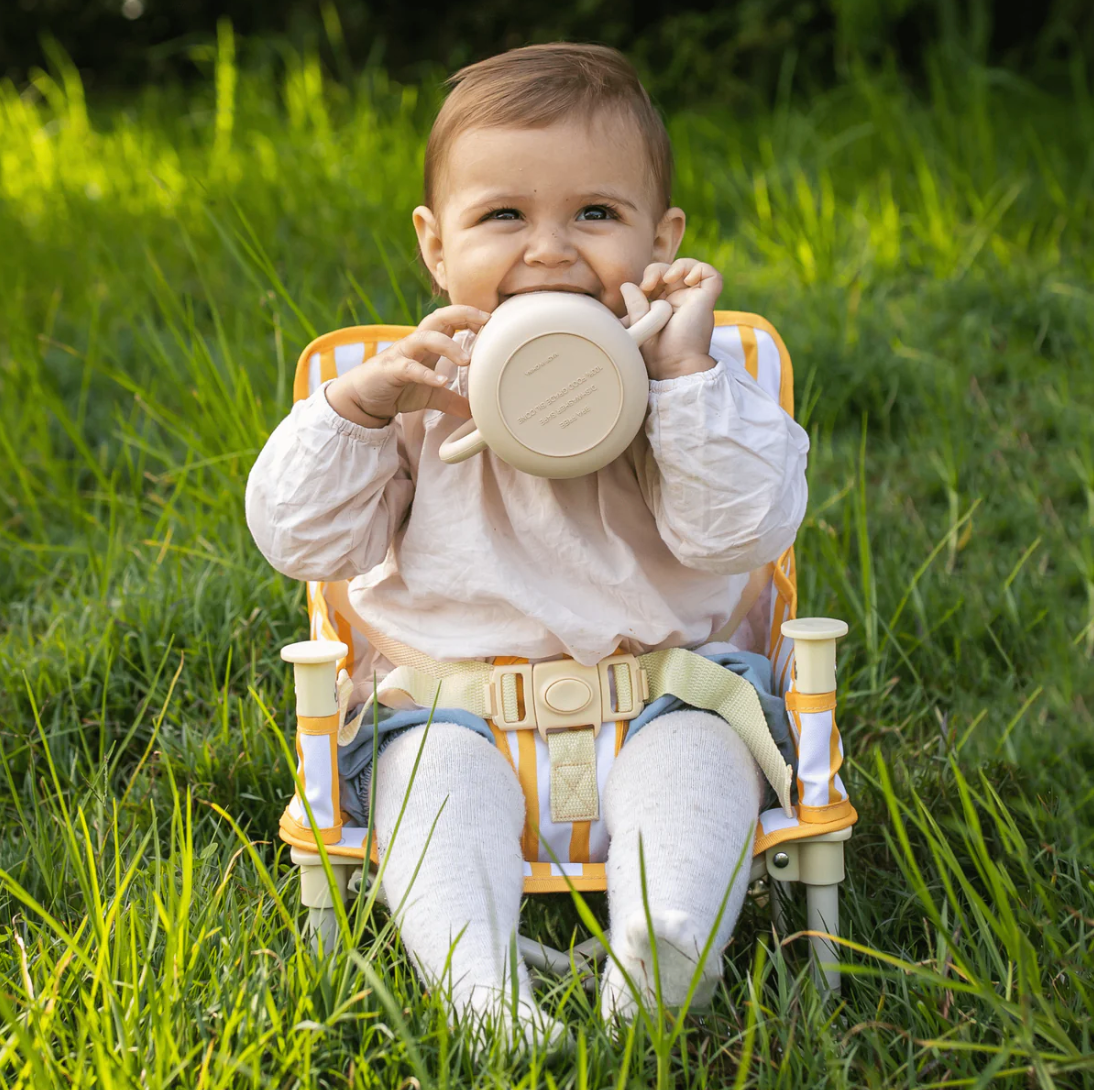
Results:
<point x="408" y="686"/>
<point x="679" y="672"/>
<point x="704" y="684"/>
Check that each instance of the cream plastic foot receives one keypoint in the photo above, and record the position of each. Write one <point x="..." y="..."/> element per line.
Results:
<point x="324" y="935"/>
<point x="317" y="897"/>
<point x="822" y="911"/>
<point x="315" y="892"/>
<point x="822" y="871"/>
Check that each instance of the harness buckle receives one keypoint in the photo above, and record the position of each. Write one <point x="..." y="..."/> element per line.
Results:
<point x="565" y="695"/>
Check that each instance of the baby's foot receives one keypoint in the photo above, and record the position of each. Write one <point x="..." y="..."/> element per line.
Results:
<point x="679" y="948"/>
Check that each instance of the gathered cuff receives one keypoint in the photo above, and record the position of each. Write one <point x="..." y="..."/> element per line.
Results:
<point x="697" y="378"/>
<point x="320" y="413"/>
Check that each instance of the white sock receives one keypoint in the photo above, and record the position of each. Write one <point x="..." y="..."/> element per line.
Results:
<point x="689" y="786"/>
<point x="462" y="906"/>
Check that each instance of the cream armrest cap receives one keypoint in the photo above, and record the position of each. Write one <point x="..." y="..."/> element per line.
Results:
<point x="314" y="652"/>
<point x="814" y="628"/>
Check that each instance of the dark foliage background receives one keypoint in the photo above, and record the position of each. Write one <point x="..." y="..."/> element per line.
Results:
<point x="689" y="50"/>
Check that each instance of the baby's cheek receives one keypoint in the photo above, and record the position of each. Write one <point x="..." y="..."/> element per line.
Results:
<point x="612" y="296"/>
<point x="474" y="292"/>
<point x="615" y="304"/>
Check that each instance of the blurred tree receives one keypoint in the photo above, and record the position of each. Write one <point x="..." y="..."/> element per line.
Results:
<point x="689" y="50"/>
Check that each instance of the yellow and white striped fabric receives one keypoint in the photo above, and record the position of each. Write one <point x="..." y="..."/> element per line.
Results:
<point x="823" y="803"/>
<point x="573" y="853"/>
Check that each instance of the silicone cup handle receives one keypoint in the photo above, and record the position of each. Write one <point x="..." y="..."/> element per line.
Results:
<point x="653" y="321"/>
<point x="464" y="442"/>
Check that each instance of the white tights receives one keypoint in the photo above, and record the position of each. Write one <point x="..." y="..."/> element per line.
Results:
<point x="686" y="785"/>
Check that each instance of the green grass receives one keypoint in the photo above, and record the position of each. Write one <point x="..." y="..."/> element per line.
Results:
<point x="164" y="259"/>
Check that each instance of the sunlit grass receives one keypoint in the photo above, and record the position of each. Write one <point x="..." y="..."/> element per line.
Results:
<point x="163" y="261"/>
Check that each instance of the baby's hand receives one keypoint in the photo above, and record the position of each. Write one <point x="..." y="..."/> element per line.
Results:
<point x="692" y="287"/>
<point x="401" y="379"/>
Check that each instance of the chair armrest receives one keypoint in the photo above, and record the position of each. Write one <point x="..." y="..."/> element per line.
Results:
<point x="814" y="652"/>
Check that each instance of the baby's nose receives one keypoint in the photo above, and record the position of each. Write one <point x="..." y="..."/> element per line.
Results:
<point x="549" y="246"/>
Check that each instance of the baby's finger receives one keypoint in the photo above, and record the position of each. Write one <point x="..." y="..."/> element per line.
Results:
<point x="453" y="318"/>
<point x="679" y="269"/>
<point x="410" y="373"/>
<point x="425" y="345"/>
<point x="406" y="371"/>
<point x="652" y="276"/>
<point x="700" y="272"/>
<point x="636" y="302"/>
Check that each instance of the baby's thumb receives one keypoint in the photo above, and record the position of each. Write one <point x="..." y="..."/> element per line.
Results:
<point x="636" y="302"/>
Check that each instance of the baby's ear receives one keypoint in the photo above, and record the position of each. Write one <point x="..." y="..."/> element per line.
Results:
<point x="429" y="243"/>
<point x="669" y="234"/>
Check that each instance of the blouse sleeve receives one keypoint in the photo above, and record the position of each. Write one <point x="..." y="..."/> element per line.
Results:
<point x="724" y="474"/>
<point x="326" y="495"/>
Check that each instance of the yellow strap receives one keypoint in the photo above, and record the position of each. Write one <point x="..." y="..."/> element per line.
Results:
<point x="529" y="786"/>
<point x="822" y="815"/>
<point x="304" y="836"/>
<point x="317" y="724"/>
<point x="579" y="842"/>
<point x="810" y="702"/>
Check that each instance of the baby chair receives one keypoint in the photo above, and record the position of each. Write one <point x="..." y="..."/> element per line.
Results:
<point x="800" y="842"/>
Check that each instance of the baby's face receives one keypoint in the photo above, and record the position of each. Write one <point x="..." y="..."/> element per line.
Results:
<point x="565" y="208"/>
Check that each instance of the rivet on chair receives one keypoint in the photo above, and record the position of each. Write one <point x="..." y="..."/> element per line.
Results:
<point x="781" y="860"/>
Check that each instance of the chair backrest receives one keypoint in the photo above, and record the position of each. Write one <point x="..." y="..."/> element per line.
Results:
<point x="747" y="339"/>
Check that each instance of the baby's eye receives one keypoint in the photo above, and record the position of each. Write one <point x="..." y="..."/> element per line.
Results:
<point x="597" y="212"/>
<point x="502" y="214"/>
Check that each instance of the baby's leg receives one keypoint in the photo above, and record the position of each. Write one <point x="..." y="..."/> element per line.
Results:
<point x="458" y="914"/>
<point x="689" y="786"/>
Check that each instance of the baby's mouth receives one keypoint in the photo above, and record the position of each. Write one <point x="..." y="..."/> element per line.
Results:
<point x="546" y="287"/>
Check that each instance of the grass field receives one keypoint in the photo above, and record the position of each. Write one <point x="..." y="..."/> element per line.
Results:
<point x="163" y="260"/>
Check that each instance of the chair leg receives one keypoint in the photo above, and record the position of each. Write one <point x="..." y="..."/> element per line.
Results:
<point x="778" y="893"/>
<point x="316" y="896"/>
<point x="322" y="931"/>
<point x="540" y="956"/>
<point x="546" y="958"/>
<point x="591" y="949"/>
<point x="822" y="914"/>
<point x="821" y="873"/>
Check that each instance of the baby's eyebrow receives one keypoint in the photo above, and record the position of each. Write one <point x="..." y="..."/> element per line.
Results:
<point x="504" y="197"/>
<point x="611" y="198"/>
<point x="495" y="197"/>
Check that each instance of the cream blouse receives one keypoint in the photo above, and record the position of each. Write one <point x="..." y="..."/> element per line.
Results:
<point x="480" y="559"/>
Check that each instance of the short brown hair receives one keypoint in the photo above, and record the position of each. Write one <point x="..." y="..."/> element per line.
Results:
<point x="537" y="85"/>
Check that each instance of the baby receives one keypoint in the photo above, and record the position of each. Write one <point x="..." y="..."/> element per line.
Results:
<point x="547" y="169"/>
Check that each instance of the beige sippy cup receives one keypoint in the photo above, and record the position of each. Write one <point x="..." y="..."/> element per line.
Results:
<point x="556" y="383"/>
